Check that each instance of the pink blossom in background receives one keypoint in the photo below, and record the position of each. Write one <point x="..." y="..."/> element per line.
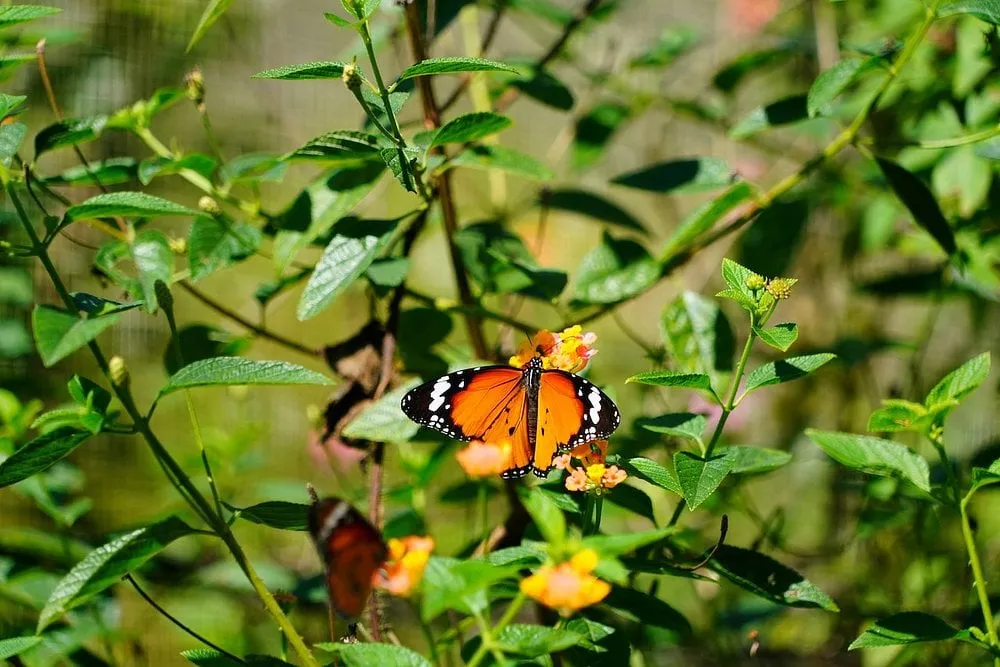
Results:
<point x="332" y="452"/>
<point x="750" y="16"/>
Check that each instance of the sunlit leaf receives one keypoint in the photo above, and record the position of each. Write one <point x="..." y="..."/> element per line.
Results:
<point x="154" y="260"/>
<point x="957" y="384"/>
<point x="16" y="645"/>
<point x="614" y="271"/>
<point x="535" y="640"/>
<point x="69" y="132"/>
<point x="786" y="370"/>
<point x="747" y="460"/>
<point x="874" y="456"/>
<point x="213" y="12"/>
<point x="453" y="65"/>
<point x="985" y="10"/>
<point x="470" y="127"/>
<point x="158" y="165"/>
<point x="40" y="454"/>
<point x="700" y="477"/>
<point x="547" y="516"/>
<point x="680" y="176"/>
<point x="238" y="371"/>
<point x="766" y="577"/>
<point x="59" y="333"/>
<point x="337" y="146"/>
<point x="316" y="70"/>
<point x="780" y="336"/>
<point x="654" y="473"/>
<point x="371" y="654"/>
<point x="908" y="627"/>
<point x="15" y="14"/>
<point x="672" y="379"/>
<point x="679" y="424"/>
<point x="899" y="415"/>
<point x="126" y="204"/>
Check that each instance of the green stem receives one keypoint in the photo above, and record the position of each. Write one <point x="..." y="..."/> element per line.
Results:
<point x="508" y="616"/>
<point x="174" y="472"/>
<point x="598" y="507"/>
<point x="429" y="638"/>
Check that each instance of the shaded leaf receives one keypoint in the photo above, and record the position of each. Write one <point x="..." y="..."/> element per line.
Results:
<point x="58" y="333"/>
<point x="239" y="371"/>
<point x="770" y="244"/>
<point x="125" y="204"/>
<point x="732" y="74"/>
<point x="470" y="127"/>
<point x="590" y="205"/>
<point x="680" y="424"/>
<point x="703" y="218"/>
<point x="874" y="456"/>
<point x="535" y="640"/>
<point x="383" y="420"/>
<point x="543" y="86"/>
<point x="785" y="370"/>
<point x="372" y="654"/>
<point x="98" y="305"/>
<point x="316" y="70"/>
<point x="647" y="609"/>
<point x="766" y="577"/>
<point x="11" y="137"/>
<point x="545" y="513"/>
<point x="632" y="499"/>
<point x="671" y="379"/>
<point x="449" y="583"/>
<point x="69" y="132"/>
<point x="155" y="263"/>
<point x="920" y="202"/>
<point x="276" y="514"/>
<point x="697" y="335"/>
<point x="594" y="130"/>
<point x="40" y="454"/>
<point x="215" y="243"/>
<point x="616" y="545"/>
<point x="337" y="146"/>
<point x="654" y="473"/>
<point x="158" y="165"/>
<point x="783" y="112"/>
<point x="504" y="159"/>
<point x="614" y="271"/>
<point x="834" y="81"/>
<point x="254" y="167"/>
<point x="453" y="65"/>
<point x="747" y="460"/>
<point x="100" y="172"/>
<point x="200" y="341"/>
<point x="908" y="627"/>
<point x="672" y="42"/>
<point x="698" y="477"/>
<point x="680" y="176"/>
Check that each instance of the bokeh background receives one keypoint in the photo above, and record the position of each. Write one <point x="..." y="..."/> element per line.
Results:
<point x="837" y="234"/>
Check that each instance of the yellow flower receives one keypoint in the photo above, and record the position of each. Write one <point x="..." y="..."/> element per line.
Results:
<point x="405" y="567"/>
<point x="569" y="350"/>
<point x="780" y="288"/>
<point x="595" y="475"/>
<point x="482" y="459"/>
<point x="567" y="587"/>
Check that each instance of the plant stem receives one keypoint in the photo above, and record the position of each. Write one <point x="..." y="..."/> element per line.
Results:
<point x="598" y="507"/>
<point x="980" y="579"/>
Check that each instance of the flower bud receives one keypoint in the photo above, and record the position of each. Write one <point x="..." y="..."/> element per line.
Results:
<point x="118" y="371"/>
<point x="754" y="281"/>
<point x="780" y="288"/>
<point x="178" y="246"/>
<point x="351" y="77"/>
<point x="194" y="85"/>
<point x="209" y="205"/>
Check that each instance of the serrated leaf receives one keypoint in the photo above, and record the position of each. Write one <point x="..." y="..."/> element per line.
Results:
<point x="544" y="87"/>
<point x="254" y="168"/>
<point x="396" y="159"/>
<point x="614" y="271"/>
<point x="371" y="654"/>
<point x="697" y="335"/>
<point x="355" y="245"/>
<point x="383" y="420"/>
<point x="957" y="384"/>
<point x="908" y="627"/>
<point x="671" y="379"/>
<point x="326" y="69"/>
<point x="158" y="165"/>
<point x="874" y="456"/>
<point x="69" y="132"/>
<point x="704" y="218"/>
<point x="533" y="641"/>
<point x="546" y="514"/>
<point x="276" y="514"/>
<point x="591" y="631"/>
<point x="99" y="172"/>
<point x="747" y="460"/>
<point x="898" y="415"/>
<point x="679" y="424"/>
<point x="782" y="112"/>
<point x="15" y="14"/>
<point x="206" y="657"/>
<point x="214" y="244"/>
<point x="680" y="176"/>
<point x="453" y="65"/>
<point x="504" y="159"/>
<point x="985" y="10"/>
<point x="16" y="645"/>
<point x="920" y="202"/>
<point x="786" y="370"/>
<point x="834" y="81"/>
<point x="213" y="12"/>
<point x="766" y="577"/>
<point x="780" y="336"/>
<point x="58" y="333"/>
<point x="699" y="477"/>
<point x="11" y="137"/>
<point x="125" y="204"/>
<point x="609" y="546"/>
<point x="654" y="473"/>
<point x="40" y="454"/>
<point x="104" y="566"/>
<point x="337" y="146"/>
<point x="591" y="205"/>
<point x="470" y="127"/>
<point x="223" y="371"/>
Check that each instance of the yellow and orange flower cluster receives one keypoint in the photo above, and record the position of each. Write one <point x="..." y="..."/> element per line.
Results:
<point x="402" y="572"/>
<point x="569" y="350"/>
<point x="594" y="475"/>
<point x="567" y="587"/>
<point x="483" y="459"/>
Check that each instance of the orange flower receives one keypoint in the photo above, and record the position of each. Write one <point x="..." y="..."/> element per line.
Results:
<point x="569" y="350"/>
<point x="569" y="586"/>
<point x="561" y="462"/>
<point x="483" y="459"/>
<point x="405" y="567"/>
<point x="596" y="477"/>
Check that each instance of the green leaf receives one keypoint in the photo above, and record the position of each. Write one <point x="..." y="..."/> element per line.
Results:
<point x="610" y="546"/>
<point x="772" y="241"/>
<point x="504" y="159"/>
<point x="360" y="9"/>
<point x="58" y="333"/>
<point x="316" y="70"/>
<point x="697" y="335"/>
<point x="735" y="275"/>
<point x="449" y="583"/>
<point x="98" y="305"/>
<point x="470" y="127"/>
<point x="200" y="341"/>
<point x="780" y="336"/>
<point x="766" y="577"/>
<point x="908" y="627"/>
<point x="680" y="176"/>
<point x="546" y="514"/>
<point x="338" y="21"/>
<point x="591" y="632"/>
<point x="544" y="87"/>
<point x="11" y="137"/>
<point x="338" y="146"/>
<point x="104" y="566"/>
<point x="10" y="102"/>
<point x="679" y="424"/>
<point x="730" y="76"/>
<point x="671" y="379"/>
<point x="16" y="645"/>
<point x="957" y="384"/>
<point x="69" y="132"/>
<point x="276" y="514"/>
<point x="985" y="10"/>
<point x="215" y="244"/>
<point x="672" y="42"/>
<point x="213" y="12"/>
<point x="698" y="477"/>
<point x="253" y="168"/>
<point x="395" y="158"/>
<point x="899" y="415"/>
<point x="590" y="205"/>
<point x="783" y="112"/>
<point x="371" y="654"/>
<point x="355" y="245"/>
<point x="632" y="499"/>
<point x="157" y="165"/>
<point x="13" y="15"/>
<point x="747" y="460"/>
<point x="834" y="81"/>
<point x="920" y="202"/>
<point x="647" y="609"/>
<point x="455" y="65"/>
<point x="654" y="473"/>
<point x="962" y="180"/>
<point x="383" y="420"/>
<point x="99" y="172"/>
<point x="125" y="204"/>
<point x="704" y="218"/>
<point x="594" y="130"/>
<point x="388" y="272"/>
<point x="785" y="370"/>
<point x="238" y="371"/>
<point x="874" y="456"/>
<point x="41" y="454"/>
<point x="614" y="271"/>
<point x="206" y="657"/>
<point x="155" y="262"/>
<point x="533" y="641"/>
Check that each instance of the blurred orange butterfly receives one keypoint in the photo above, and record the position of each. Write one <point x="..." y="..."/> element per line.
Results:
<point x="352" y="551"/>
<point x="539" y="411"/>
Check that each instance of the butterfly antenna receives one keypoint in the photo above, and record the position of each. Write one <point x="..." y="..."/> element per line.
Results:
<point x="313" y="496"/>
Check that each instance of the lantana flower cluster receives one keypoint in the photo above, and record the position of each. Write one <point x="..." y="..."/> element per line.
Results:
<point x="569" y="350"/>
<point x="405" y="566"/>
<point x="594" y="475"/>
<point x="568" y="586"/>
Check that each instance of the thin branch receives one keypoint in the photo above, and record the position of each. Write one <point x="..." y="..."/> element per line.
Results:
<point x="492" y="28"/>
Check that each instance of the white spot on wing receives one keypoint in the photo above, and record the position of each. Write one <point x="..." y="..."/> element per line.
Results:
<point x="437" y="394"/>
<point x="595" y="404"/>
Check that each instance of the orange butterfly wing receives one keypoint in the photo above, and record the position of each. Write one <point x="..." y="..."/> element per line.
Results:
<point x="494" y="408"/>
<point x="560" y="417"/>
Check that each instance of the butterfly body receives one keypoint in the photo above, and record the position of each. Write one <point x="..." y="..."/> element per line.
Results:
<point x="539" y="411"/>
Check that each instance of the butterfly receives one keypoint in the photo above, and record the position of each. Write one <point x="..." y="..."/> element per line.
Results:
<point x="539" y="411"/>
<point x="352" y="550"/>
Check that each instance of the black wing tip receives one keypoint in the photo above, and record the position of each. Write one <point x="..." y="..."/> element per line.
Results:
<point x="516" y="473"/>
